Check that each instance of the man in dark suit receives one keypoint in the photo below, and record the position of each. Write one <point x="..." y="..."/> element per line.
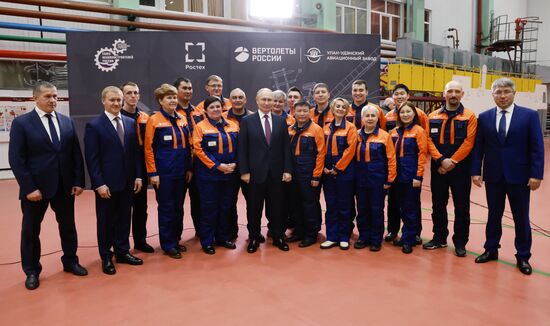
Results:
<point x="264" y="163"/>
<point x="114" y="162"/>
<point x="45" y="157"/>
<point x="509" y="144"/>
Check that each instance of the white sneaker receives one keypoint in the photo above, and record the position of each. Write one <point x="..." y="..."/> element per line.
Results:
<point x="328" y="244"/>
<point x="344" y="245"/>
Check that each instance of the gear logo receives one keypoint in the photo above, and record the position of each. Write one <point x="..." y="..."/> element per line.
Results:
<point x="313" y="55"/>
<point x="107" y="59"/>
<point x="242" y="54"/>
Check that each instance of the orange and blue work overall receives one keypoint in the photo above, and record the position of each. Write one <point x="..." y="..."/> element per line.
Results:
<point x="139" y="207"/>
<point x="394" y="219"/>
<point x="451" y="135"/>
<point x="340" y="144"/>
<point x="411" y="146"/>
<point x="193" y="117"/>
<point x="323" y="118"/>
<point x="243" y="186"/>
<point x="168" y="155"/>
<point x="354" y="115"/>
<point x="374" y="168"/>
<point x="307" y="152"/>
<point x="215" y="143"/>
<point x="290" y="121"/>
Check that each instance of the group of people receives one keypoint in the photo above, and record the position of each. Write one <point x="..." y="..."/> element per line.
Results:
<point x="279" y="155"/>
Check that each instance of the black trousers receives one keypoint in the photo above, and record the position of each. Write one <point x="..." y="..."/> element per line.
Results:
<point x="458" y="181"/>
<point x="272" y="193"/>
<point x="139" y="215"/>
<point x="234" y="216"/>
<point x="113" y="223"/>
<point x="33" y="214"/>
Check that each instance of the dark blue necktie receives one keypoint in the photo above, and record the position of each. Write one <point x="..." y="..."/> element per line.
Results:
<point x="502" y="126"/>
<point x="53" y="132"/>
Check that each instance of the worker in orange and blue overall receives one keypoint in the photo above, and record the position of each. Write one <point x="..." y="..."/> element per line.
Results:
<point x="215" y="144"/>
<point x="400" y="95"/>
<point x="374" y="173"/>
<point x="451" y="139"/>
<point x="340" y="144"/>
<point x="359" y="93"/>
<point x="237" y="111"/>
<point x="307" y="153"/>
<point x="168" y="160"/>
<point x="321" y="113"/>
<point x="193" y="116"/>
<point x="411" y="146"/>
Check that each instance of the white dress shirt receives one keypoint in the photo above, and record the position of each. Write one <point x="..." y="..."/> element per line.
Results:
<point x="113" y="121"/>
<point x="44" y="120"/>
<point x="262" y="120"/>
<point x="509" y="111"/>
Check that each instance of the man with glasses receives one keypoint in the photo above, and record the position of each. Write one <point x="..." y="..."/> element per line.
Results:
<point x="510" y="147"/>
<point x="214" y="87"/>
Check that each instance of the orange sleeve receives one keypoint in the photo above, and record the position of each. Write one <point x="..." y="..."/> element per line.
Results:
<point x="199" y="152"/>
<point x="200" y="107"/>
<point x="349" y="153"/>
<point x="381" y="118"/>
<point x="320" y="159"/>
<point x="423" y="119"/>
<point x="148" y="147"/>
<point x="464" y="150"/>
<point x="392" y="161"/>
<point x="422" y="143"/>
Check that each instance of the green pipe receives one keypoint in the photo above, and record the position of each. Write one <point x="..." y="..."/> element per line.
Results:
<point x="32" y="39"/>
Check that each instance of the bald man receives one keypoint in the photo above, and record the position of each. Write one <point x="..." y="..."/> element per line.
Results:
<point x="452" y="133"/>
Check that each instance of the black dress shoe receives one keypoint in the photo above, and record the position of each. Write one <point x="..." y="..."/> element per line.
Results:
<point x="108" y="267"/>
<point x="128" y="259"/>
<point x="460" y="251"/>
<point x="75" y="269"/>
<point x="360" y="244"/>
<point x="524" y="267"/>
<point x="307" y="242"/>
<point x="294" y="238"/>
<point x="407" y="249"/>
<point x="181" y="248"/>
<point x="397" y="242"/>
<point x="487" y="256"/>
<point x="32" y="282"/>
<point x="209" y="250"/>
<point x="173" y="253"/>
<point x="281" y="244"/>
<point x="227" y="244"/>
<point x="390" y="237"/>
<point x="252" y="246"/>
<point x="144" y="247"/>
<point x="261" y="239"/>
<point x="375" y="247"/>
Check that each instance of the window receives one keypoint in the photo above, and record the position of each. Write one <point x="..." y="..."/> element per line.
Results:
<point x="385" y="18"/>
<point x="351" y="16"/>
<point x="427" y="16"/>
<point x="205" y="7"/>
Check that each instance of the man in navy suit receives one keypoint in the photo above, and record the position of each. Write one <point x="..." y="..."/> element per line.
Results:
<point x="264" y="164"/>
<point x="114" y="162"/>
<point x="509" y="144"/>
<point x="45" y="157"/>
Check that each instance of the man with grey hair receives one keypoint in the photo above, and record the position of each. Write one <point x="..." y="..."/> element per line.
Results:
<point x="509" y="146"/>
<point x="45" y="157"/>
<point x="264" y="164"/>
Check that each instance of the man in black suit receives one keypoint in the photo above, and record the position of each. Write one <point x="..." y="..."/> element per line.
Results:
<point x="264" y="163"/>
<point x="114" y="162"/>
<point x="45" y="157"/>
